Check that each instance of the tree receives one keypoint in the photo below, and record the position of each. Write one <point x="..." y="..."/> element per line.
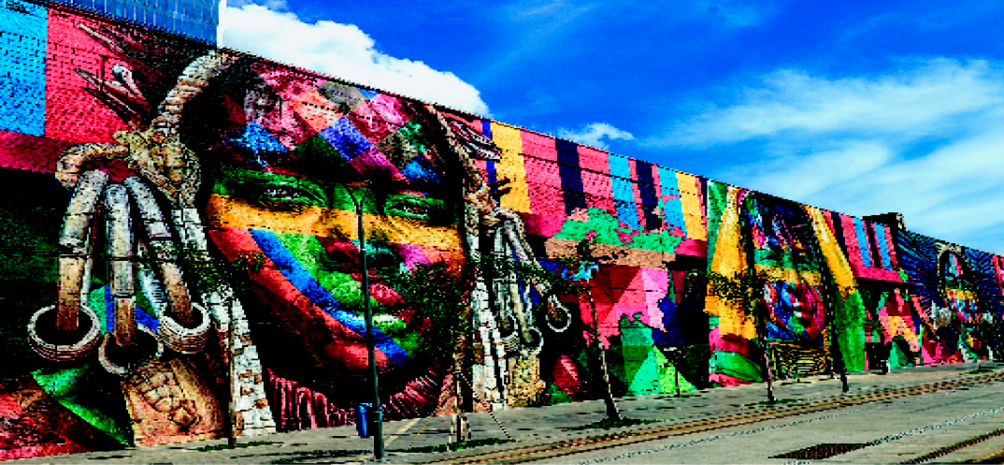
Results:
<point x="585" y="263"/>
<point x="744" y="291"/>
<point x="439" y="292"/>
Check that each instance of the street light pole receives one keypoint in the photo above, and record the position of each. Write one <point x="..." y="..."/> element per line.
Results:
<point x="378" y="448"/>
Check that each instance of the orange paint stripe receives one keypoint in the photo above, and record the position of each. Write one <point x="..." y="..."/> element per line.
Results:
<point x="224" y="211"/>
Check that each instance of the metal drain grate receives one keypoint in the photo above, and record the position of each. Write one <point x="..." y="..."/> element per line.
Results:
<point x="821" y="451"/>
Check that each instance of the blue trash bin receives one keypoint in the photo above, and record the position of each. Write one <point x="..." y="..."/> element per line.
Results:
<point x="362" y="414"/>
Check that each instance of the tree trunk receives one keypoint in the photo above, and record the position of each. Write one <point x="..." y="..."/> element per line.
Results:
<point x="613" y="413"/>
<point x="231" y="379"/>
<point x="676" y="371"/>
<point x="769" y="371"/>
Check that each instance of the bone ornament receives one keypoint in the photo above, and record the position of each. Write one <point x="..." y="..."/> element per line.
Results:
<point x="183" y="330"/>
<point x="120" y="256"/>
<point x="122" y="361"/>
<point x="56" y="332"/>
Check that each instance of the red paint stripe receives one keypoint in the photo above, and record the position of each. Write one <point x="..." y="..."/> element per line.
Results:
<point x="271" y="286"/>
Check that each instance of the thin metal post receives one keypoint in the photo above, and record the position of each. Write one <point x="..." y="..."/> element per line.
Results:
<point x="378" y="447"/>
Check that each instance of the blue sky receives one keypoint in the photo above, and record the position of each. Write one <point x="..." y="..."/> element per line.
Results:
<point x="859" y="107"/>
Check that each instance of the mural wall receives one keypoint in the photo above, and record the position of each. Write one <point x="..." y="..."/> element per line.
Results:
<point x="180" y="226"/>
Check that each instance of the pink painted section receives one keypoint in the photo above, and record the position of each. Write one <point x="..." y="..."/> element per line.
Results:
<point x="67" y="104"/>
<point x="998" y="262"/>
<point x="656" y="286"/>
<point x="543" y="176"/>
<point x="373" y="164"/>
<point x="851" y="239"/>
<point x="284" y="121"/>
<point x="828" y="216"/>
<point x="32" y="153"/>
<point x="726" y="380"/>
<point x="595" y="166"/>
<point x="730" y="343"/>
<point x="693" y="248"/>
<point x="542" y="225"/>
<point x="636" y="192"/>
<point x="566" y="377"/>
<point x="381" y="116"/>
<point x="417" y="255"/>
<point x="609" y="321"/>
<point x="623" y="291"/>
<point x="303" y="112"/>
<point x="877" y="273"/>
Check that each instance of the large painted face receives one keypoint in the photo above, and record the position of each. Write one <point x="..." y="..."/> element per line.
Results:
<point x="296" y="158"/>
<point x="959" y="291"/>
<point x="796" y="309"/>
<point x="792" y="297"/>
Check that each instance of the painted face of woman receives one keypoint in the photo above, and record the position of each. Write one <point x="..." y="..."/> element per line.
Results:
<point x="793" y="296"/>
<point x="309" y="155"/>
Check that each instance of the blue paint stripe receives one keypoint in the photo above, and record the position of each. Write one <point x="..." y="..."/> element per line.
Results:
<point x="142" y="317"/>
<point x="493" y="177"/>
<point x="672" y="210"/>
<point x="646" y="190"/>
<point x="301" y="278"/>
<point x="627" y="209"/>
<point x="23" y="46"/>
<point x="486" y="128"/>
<point x="883" y="246"/>
<point x="109" y="310"/>
<point x="838" y="230"/>
<point x="145" y="319"/>
<point x="859" y="228"/>
<point x="571" y="175"/>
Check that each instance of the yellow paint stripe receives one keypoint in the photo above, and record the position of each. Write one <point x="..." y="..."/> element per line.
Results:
<point x="791" y="275"/>
<point x="729" y="259"/>
<point x="511" y="167"/>
<point x="690" y="200"/>
<point x="960" y="294"/>
<point x="232" y="212"/>
<point x="836" y="262"/>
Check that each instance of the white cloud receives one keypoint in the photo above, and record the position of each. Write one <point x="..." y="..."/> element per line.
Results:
<point x="595" y="134"/>
<point x="800" y="177"/>
<point x="340" y="50"/>
<point x="925" y="141"/>
<point x="792" y="103"/>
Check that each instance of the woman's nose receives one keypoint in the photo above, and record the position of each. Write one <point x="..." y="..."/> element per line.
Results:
<point x="343" y="245"/>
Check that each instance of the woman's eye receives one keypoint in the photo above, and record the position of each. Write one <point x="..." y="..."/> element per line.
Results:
<point x="282" y="193"/>
<point x="410" y="208"/>
<point x="282" y="197"/>
<point x="414" y="207"/>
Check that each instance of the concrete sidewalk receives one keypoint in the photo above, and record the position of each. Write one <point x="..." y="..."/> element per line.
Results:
<point x="527" y="425"/>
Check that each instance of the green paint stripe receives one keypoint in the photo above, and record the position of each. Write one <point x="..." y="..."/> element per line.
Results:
<point x="345" y="288"/>
<point x="734" y="364"/>
<point x="607" y="226"/>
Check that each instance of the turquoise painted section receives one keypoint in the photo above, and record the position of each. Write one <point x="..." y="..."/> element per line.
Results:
<point x="22" y="67"/>
<point x="627" y="208"/>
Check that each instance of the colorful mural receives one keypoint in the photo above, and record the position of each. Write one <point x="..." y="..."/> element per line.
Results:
<point x="180" y="229"/>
